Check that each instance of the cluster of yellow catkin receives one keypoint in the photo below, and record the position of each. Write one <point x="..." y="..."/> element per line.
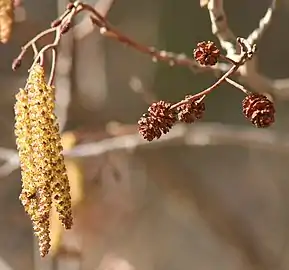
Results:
<point x="44" y="177"/>
<point x="6" y="19"/>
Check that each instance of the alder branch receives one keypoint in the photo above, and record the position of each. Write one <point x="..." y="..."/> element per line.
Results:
<point x="107" y="30"/>
<point x="247" y="74"/>
<point x="63" y="24"/>
<point x="264" y="23"/>
<point x="220" y="27"/>
<point x="85" y="27"/>
<point x="63" y="72"/>
<point x="202" y="134"/>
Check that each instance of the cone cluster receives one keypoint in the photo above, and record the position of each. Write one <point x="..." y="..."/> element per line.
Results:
<point x="44" y="177"/>
<point x="160" y="117"/>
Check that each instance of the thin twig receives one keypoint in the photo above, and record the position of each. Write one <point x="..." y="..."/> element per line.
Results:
<point x="238" y="86"/>
<point x="247" y="73"/>
<point x="247" y="55"/>
<point x="107" y="30"/>
<point x="53" y="66"/>
<point x="84" y="28"/>
<point x="255" y="36"/>
<point x="220" y="27"/>
<point x="200" y="134"/>
<point x="206" y="91"/>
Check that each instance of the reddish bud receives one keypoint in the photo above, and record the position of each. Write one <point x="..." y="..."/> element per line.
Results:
<point x="16" y="64"/>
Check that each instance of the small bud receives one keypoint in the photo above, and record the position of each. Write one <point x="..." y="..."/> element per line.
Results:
<point x="70" y="6"/>
<point x="55" y="23"/>
<point x="154" y="59"/>
<point x="16" y="64"/>
<point x="206" y="53"/>
<point x="102" y="30"/>
<point x="259" y="110"/>
<point x="65" y="28"/>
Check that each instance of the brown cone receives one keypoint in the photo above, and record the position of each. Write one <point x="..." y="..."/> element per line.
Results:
<point x="159" y="120"/>
<point x="259" y="110"/>
<point x="207" y="53"/>
<point x="148" y="128"/>
<point x="191" y="111"/>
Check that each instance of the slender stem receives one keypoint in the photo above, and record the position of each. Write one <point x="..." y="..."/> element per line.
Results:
<point x="53" y="67"/>
<point x="108" y="30"/>
<point x="238" y="86"/>
<point x="207" y="91"/>
<point x="36" y="38"/>
<point x="34" y="49"/>
<point x="225" y="58"/>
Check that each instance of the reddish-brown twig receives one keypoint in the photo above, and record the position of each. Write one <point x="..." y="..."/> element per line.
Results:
<point x="59" y="27"/>
<point x="107" y="30"/>
<point x="247" y="53"/>
<point x="62" y="24"/>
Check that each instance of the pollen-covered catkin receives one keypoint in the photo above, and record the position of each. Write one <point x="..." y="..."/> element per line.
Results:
<point x="6" y="19"/>
<point x="29" y="196"/>
<point x="23" y="141"/>
<point x="42" y="111"/>
<point x="60" y="184"/>
<point x="40" y="124"/>
<point x="43" y="170"/>
<point x="33" y="206"/>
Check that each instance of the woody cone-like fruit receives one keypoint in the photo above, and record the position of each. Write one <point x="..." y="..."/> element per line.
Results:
<point x="207" y="53"/>
<point x="259" y="110"/>
<point x="159" y="120"/>
<point x="191" y="111"/>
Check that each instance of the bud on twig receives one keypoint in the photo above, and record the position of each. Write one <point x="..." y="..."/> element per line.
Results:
<point x="65" y="28"/>
<point x="16" y="64"/>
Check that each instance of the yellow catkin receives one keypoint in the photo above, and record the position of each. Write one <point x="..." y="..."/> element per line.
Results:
<point x="40" y="123"/>
<point x="40" y="223"/>
<point x="29" y="196"/>
<point x="44" y="178"/>
<point x="75" y="177"/>
<point x="58" y="177"/>
<point x="60" y="182"/>
<point x="23" y="141"/>
<point x="6" y="19"/>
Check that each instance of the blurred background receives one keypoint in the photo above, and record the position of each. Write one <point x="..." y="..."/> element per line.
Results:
<point x="173" y="206"/>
